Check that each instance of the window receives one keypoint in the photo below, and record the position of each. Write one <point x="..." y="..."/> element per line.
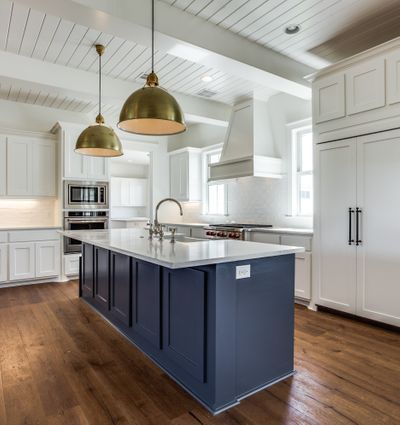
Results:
<point x="301" y="176"/>
<point x="215" y="193"/>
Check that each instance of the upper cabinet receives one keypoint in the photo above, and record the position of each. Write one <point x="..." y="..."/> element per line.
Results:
<point x="365" y="86"/>
<point x="77" y="166"/>
<point x="185" y="174"/>
<point x="27" y="166"/>
<point x="393" y="77"/>
<point x="328" y="98"/>
<point x="128" y="192"/>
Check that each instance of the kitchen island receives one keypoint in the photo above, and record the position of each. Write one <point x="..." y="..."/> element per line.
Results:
<point x="216" y="315"/>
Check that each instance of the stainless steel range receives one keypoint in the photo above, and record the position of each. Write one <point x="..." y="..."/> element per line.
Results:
<point x="230" y="231"/>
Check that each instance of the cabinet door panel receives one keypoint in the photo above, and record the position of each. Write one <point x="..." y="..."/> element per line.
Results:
<point x="75" y="164"/>
<point x="87" y="270"/>
<point x="302" y="281"/>
<point x="179" y="175"/>
<point x="328" y="98"/>
<point x="101" y="277"/>
<point x="3" y="263"/>
<point x="3" y="165"/>
<point x="335" y="193"/>
<point x="19" y="166"/>
<point x="393" y="77"/>
<point x="22" y="260"/>
<point x="47" y="258"/>
<point x="146" y="301"/>
<point x="185" y="320"/>
<point x="121" y="283"/>
<point x="378" y="257"/>
<point x="44" y="168"/>
<point x="365" y="86"/>
<point x="98" y="168"/>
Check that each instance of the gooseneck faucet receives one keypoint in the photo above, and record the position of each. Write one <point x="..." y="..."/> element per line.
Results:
<point x="157" y="228"/>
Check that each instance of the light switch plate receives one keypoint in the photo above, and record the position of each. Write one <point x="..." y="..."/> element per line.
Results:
<point x="243" y="272"/>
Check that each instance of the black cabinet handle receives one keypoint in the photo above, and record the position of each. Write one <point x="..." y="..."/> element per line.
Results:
<point x="358" y="214"/>
<point x="350" y="240"/>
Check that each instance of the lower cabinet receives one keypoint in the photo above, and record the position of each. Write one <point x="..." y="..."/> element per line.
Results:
<point x="71" y="264"/>
<point x="184" y="319"/>
<point x="101" y="277"/>
<point x="146" y="301"/>
<point x="47" y="258"/>
<point x="3" y="262"/>
<point x="22" y="260"/>
<point x="303" y="275"/>
<point x="121" y="288"/>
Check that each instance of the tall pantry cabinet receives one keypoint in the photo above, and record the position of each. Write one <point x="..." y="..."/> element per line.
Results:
<point x="357" y="199"/>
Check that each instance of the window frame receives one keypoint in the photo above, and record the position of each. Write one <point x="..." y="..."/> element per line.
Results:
<point x="212" y="150"/>
<point x="294" y="130"/>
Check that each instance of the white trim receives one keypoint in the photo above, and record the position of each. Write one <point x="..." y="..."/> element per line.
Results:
<point x="26" y="133"/>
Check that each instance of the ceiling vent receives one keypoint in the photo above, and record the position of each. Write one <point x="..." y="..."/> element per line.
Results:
<point x="143" y="76"/>
<point x="206" y="93"/>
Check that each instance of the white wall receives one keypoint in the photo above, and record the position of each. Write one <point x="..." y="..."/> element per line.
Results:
<point x="255" y="199"/>
<point x="197" y="136"/>
<point x="123" y="169"/>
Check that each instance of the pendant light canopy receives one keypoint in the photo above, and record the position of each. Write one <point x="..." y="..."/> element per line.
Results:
<point x="151" y="110"/>
<point x="99" y="139"/>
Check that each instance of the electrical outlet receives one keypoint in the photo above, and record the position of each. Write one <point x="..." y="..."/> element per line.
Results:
<point x="243" y="272"/>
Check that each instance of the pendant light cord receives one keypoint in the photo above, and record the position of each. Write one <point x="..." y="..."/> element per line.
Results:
<point x="99" y="84"/>
<point x="152" y="36"/>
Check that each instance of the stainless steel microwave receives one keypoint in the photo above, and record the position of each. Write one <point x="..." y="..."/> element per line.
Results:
<point x="81" y="195"/>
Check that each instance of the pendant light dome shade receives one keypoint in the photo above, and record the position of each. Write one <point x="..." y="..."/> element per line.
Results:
<point x="99" y="139"/>
<point x="151" y="110"/>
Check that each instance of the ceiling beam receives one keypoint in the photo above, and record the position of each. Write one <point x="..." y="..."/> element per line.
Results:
<point x="187" y="36"/>
<point x="58" y="79"/>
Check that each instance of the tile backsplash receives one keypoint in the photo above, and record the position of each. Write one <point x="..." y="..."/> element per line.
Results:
<point x="250" y="200"/>
<point x="29" y="212"/>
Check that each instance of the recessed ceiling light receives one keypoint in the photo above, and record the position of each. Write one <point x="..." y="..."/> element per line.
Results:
<point x="206" y="79"/>
<point x="292" y="29"/>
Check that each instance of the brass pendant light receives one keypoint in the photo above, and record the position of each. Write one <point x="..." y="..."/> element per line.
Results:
<point x="99" y="139"/>
<point x="151" y="110"/>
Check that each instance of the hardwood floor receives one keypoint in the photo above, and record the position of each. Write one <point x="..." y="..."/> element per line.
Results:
<point x="62" y="364"/>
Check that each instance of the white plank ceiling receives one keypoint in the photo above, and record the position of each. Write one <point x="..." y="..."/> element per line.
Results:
<point x="31" y="33"/>
<point x="264" y="21"/>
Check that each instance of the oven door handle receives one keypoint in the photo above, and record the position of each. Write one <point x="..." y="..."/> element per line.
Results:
<point x="87" y="221"/>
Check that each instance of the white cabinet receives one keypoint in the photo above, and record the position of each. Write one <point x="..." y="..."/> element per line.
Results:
<point x="393" y="77"/>
<point x="44" y="168"/>
<point x="71" y="264"/>
<point x="19" y="166"/>
<point x="3" y="165"/>
<point x="378" y="255"/>
<point x="31" y="167"/>
<point x="22" y="260"/>
<point x="264" y="237"/>
<point x="47" y="258"/>
<point x="365" y="86"/>
<point x="303" y="275"/>
<point x="329" y="98"/>
<point x="77" y="166"/>
<point x="3" y="263"/>
<point x="185" y="175"/>
<point x="128" y="192"/>
<point x="359" y="277"/>
<point x="335" y="193"/>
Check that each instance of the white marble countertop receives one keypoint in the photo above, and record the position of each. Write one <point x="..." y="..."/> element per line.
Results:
<point x="286" y="230"/>
<point x="135" y="243"/>
<point x="33" y="227"/>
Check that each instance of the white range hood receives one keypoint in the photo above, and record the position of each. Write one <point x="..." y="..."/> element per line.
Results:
<point x="248" y="148"/>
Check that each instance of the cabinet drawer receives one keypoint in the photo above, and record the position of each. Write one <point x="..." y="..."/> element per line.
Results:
<point x="33" y="235"/>
<point x="294" y="240"/>
<point x="3" y="237"/>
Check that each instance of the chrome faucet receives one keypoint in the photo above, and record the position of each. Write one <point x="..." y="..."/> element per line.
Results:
<point x="157" y="228"/>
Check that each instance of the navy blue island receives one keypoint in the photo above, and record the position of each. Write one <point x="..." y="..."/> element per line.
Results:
<point x="216" y="315"/>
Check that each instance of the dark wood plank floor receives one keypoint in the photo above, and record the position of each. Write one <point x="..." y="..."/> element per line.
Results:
<point x="62" y="364"/>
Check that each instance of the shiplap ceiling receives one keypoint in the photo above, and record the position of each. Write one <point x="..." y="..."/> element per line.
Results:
<point x="28" y="32"/>
<point x="353" y="25"/>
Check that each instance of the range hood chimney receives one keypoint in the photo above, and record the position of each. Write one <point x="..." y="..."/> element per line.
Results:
<point x="248" y="147"/>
